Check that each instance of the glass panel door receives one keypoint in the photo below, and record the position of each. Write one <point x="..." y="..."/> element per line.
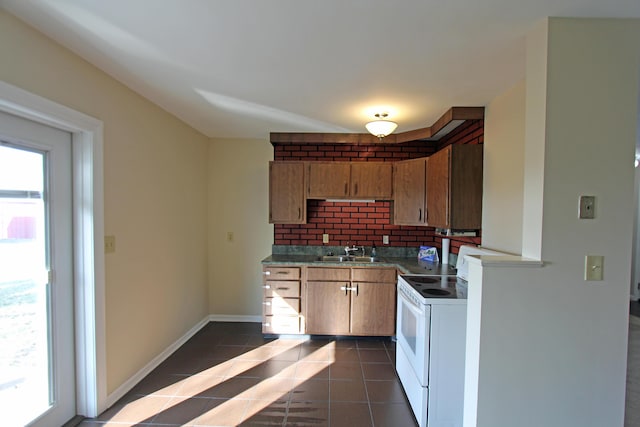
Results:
<point x="37" y="354"/>
<point x="25" y="371"/>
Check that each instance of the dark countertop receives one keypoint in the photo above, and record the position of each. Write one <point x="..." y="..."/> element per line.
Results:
<point x="405" y="265"/>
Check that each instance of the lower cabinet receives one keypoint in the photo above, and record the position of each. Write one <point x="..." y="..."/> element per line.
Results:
<point x="373" y="303"/>
<point x="281" y="300"/>
<point x="327" y="302"/>
<point x="350" y="301"/>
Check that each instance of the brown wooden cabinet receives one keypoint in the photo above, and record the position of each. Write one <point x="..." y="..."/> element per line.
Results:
<point x="281" y="300"/>
<point x="327" y="300"/>
<point x="454" y="188"/>
<point x="355" y="180"/>
<point x="371" y="180"/>
<point x="350" y="301"/>
<point x="287" y="203"/>
<point x="328" y="180"/>
<point x="373" y="303"/>
<point x="410" y="192"/>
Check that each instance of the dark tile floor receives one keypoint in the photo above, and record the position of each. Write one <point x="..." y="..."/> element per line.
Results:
<point x="228" y="374"/>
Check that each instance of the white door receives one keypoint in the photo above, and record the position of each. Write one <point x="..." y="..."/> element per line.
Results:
<point x="37" y="355"/>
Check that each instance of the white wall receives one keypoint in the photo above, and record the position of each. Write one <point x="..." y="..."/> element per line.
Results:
<point x="552" y="346"/>
<point x="238" y="203"/>
<point x="504" y="171"/>
<point x="155" y="192"/>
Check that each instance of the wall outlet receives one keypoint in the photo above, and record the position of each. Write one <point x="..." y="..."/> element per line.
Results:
<point x="109" y="244"/>
<point x="587" y="207"/>
<point x="325" y="238"/>
<point x="385" y="240"/>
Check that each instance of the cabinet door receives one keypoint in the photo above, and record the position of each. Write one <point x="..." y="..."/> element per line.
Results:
<point x="466" y="187"/>
<point x="409" y="192"/>
<point x="327" y="308"/>
<point x="371" y="180"/>
<point x="373" y="309"/>
<point x="328" y="180"/>
<point x="438" y="188"/>
<point x="286" y="193"/>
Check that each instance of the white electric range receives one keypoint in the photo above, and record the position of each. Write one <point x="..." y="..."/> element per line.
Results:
<point x="431" y="334"/>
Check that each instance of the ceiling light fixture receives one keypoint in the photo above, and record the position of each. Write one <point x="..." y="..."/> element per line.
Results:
<point x="381" y="127"/>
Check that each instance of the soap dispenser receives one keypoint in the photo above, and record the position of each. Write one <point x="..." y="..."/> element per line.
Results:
<point x="373" y="250"/>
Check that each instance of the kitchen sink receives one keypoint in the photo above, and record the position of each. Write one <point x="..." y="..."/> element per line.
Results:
<point x="348" y="258"/>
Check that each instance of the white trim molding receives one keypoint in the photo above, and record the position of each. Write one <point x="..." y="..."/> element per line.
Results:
<point x="234" y="318"/>
<point x="88" y="229"/>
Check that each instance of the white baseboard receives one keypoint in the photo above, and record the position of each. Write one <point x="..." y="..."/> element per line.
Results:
<point x="135" y="379"/>
<point x="234" y="318"/>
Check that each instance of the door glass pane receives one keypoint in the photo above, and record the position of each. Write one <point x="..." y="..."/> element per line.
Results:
<point x="409" y="325"/>
<point x="25" y="372"/>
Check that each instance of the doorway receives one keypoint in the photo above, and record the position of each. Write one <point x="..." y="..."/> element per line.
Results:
<point x="88" y="231"/>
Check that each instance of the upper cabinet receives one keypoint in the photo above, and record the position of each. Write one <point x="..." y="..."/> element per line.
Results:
<point x="352" y="180"/>
<point x="371" y="180"/>
<point x="454" y="188"/>
<point x="287" y="204"/>
<point x="328" y="180"/>
<point x="409" y="192"/>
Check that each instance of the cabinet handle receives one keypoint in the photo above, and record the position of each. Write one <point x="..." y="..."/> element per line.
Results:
<point x="282" y="272"/>
<point x="266" y="303"/>
<point x="266" y="287"/>
<point x="355" y="190"/>
<point x="346" y="188"/>
<point x="267" y="273"/>
<point x="266" y="324"/>
<point x="356" y="289"/>
<point x="282" y="288"/>
<point x="419" y="214"/>
<point x="299" y="213"/>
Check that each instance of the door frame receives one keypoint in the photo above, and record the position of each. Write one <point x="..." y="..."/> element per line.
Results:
<point x="88" y="237"/>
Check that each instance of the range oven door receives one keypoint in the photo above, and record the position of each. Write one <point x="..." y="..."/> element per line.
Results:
<point x="412" y="333"/>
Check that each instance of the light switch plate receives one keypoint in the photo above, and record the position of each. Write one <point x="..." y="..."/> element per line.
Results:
<point x="593" y="267"/>
<point x="587" y="209"/>
<point x="325" y="238"/>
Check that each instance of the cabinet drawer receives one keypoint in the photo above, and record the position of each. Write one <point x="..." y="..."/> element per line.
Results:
<point x="281" y="325"/>
<point x="282" y="288"/>
<point x="281" y="306"/>
<point x="328" y="274"/>
<point x="282" y="273"/>
<point x="384" y="275"/>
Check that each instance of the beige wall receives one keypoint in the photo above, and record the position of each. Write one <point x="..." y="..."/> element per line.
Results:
<point x="548" y="338"/>
<point x="155" y="175"/>
<point x="504" y="171"/>
<point x="238" y="203"/>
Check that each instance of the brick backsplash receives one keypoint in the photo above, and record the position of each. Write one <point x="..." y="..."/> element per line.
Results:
<point x="350" y="153"/>
<point x="364" y="223"/>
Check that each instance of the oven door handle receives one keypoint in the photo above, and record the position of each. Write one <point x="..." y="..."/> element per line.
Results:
<point x="416" y="309"/>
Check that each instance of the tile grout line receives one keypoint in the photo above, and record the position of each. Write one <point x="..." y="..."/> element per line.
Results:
<point x="366" y="388"/>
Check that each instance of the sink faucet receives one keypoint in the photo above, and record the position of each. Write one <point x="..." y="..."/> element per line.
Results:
<point x="354" y="248"/>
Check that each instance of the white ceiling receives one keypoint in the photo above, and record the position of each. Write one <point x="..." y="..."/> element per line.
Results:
<point x="242" y="69"/>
